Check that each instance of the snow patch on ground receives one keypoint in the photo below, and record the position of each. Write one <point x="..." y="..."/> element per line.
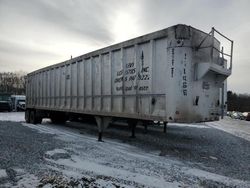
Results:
<point x="122" y="162"/>
<point x="237" y="128"/>
<point x="27" y="181"/>
<point x="12" y="116"/>
<point x="22" y="179"/>
<point x="3" y="173"/>
<point x="216" y="177"/>
<point x="56" y="151"/>
<point x="110" y="158"/>
<point x="85" y="165"/>
<point x="200" y="126"/>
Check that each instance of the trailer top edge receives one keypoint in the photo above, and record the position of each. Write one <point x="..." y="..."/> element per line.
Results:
<point x="143" y="38"/>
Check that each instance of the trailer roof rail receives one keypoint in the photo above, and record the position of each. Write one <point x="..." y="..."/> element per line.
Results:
<point x="212" y="34"/>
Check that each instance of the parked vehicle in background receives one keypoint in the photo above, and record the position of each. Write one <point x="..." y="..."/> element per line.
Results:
<point x="18" y="102"/>
<point x="229" y="113"/>
<point x="247" y="116"/>
<point x="21" y="105"/>
<point x="237" y="115"/>
<point x="242" y="117"/>
<point x="5" y="102"/>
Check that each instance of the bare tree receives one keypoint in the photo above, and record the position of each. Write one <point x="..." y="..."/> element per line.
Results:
<point x="238" y="102"/>
<point x="12" y="82"/>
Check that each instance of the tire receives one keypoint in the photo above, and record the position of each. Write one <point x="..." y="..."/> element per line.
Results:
<point x="27" y="116"/>
<point x="32" y="117"/>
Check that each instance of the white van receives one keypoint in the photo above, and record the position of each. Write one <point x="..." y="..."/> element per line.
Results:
<point x="18" y="102"/>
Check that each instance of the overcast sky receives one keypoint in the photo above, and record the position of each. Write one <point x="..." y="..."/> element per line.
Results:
<point x="37" y="33"/>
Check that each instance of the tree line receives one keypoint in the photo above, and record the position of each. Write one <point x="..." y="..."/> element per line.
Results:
<point x="238" y="102"/>
<point x="12" y="83"/>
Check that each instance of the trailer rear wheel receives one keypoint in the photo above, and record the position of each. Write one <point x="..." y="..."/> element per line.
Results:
<point x="27" y="116"/>
<point x="32" y="117"/>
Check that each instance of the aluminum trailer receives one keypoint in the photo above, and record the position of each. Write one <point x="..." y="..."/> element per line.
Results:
<point x="172" y="75"/>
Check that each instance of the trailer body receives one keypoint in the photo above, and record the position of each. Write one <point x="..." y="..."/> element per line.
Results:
<point x="172" y="75"/>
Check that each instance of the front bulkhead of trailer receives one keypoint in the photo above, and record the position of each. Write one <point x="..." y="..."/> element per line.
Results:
<point x="198" y="70"/>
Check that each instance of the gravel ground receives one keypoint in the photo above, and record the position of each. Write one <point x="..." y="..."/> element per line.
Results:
<point x="23" y="148"/>
<point x="208" y="149"/>
<point x="197" y="155"/>
<point x="201" y="146"/>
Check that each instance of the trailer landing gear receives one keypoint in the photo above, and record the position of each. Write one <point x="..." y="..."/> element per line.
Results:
<point x="102" y="123"/>
<point x="165" y="127"/>
<point x="132" y="124"/>
<point x="100" y="137"/>
<point x="145" y="128"/>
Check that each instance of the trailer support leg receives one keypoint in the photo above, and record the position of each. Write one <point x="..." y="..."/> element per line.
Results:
<point x="165" y="127"/>
<point x="102" y="123"/>
<point x="132" y="124"/>
<point x="145" y="127"/>
<point x="133" y="131"/>
<point x="100" y="137"/>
